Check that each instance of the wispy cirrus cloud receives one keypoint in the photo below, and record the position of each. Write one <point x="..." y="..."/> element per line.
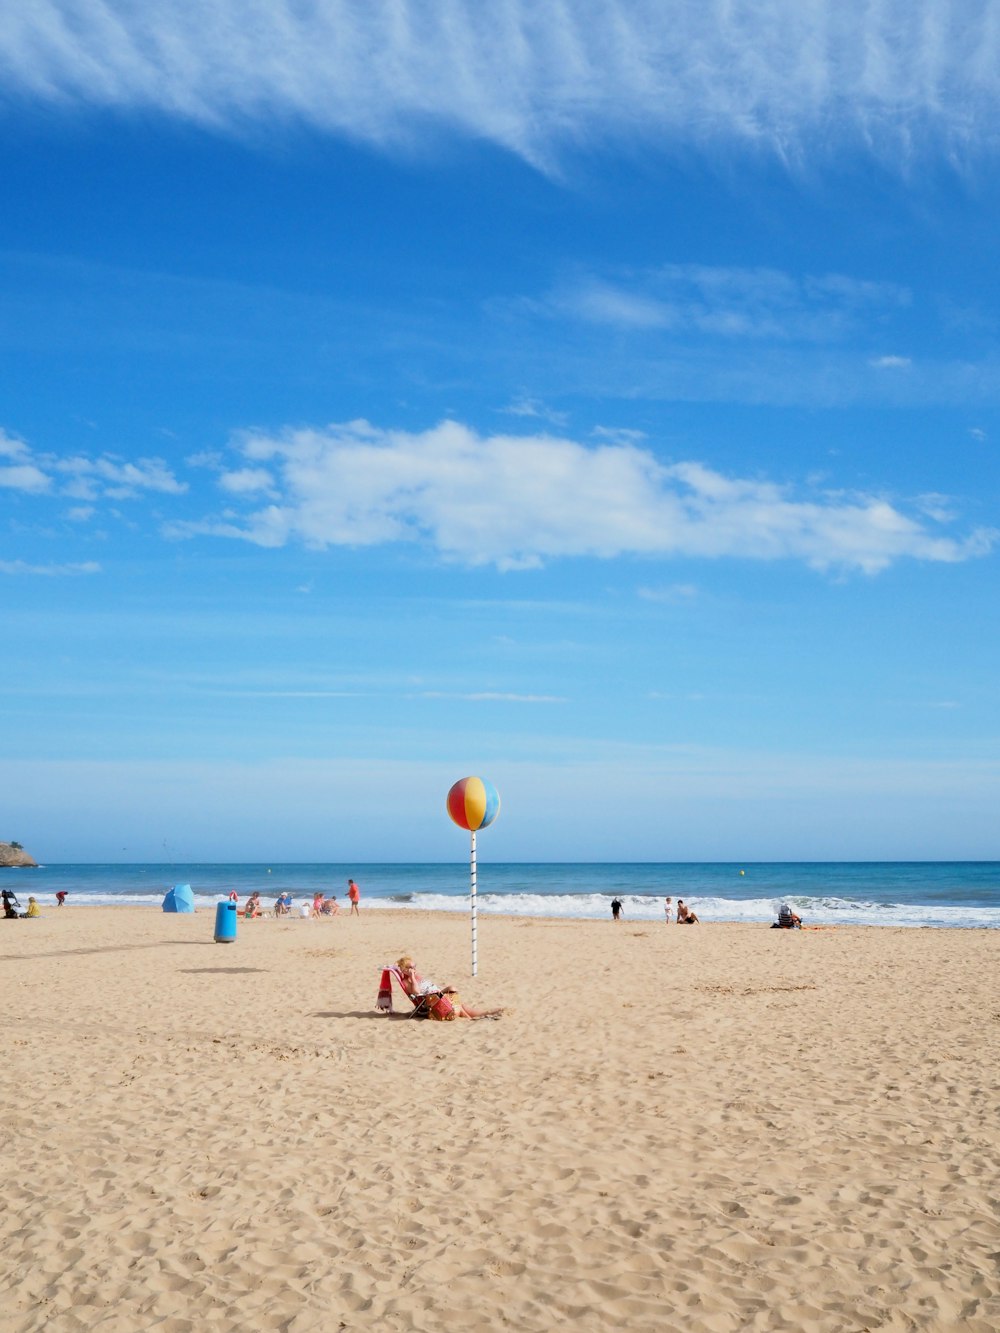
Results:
<point x="533" y="76"/>
<point x="729" y="304"/>
<point x="518" y="501"/>
<point x="49" y="571"/>
<point x="494" y="697"/>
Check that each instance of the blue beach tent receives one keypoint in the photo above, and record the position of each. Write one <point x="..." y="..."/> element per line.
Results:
<point x="179" y="899"/>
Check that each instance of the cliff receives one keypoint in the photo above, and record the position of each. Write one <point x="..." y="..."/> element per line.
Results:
<point x="14" y="856"/>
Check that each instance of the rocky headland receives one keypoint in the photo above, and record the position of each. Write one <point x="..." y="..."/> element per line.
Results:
<point x="12" y="854"/>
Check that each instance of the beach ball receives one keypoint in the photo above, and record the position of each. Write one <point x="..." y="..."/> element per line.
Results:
<point x="473" y="804"/>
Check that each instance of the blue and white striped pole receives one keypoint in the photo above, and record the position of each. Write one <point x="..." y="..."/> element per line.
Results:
<point x="472" y="902"/>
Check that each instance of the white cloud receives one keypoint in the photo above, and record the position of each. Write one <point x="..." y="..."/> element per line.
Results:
<point x="248" y="481"/>
<point x="534" y="76"/>
<point x="49" y="571"/>
<point x="11" y="446"/>
<point x="115" y="478"/>
<point x="725" y="303"/>
<point x="618" y="434"/>
<point x="671" y="595"/>
<point x="531" y="407"/>
<point x="24" y="477"/>
<point x="890" y="362"/>
<point x="494" y="696"/>
<point x="978" y="433"/>
<point x="517" y="501"/>
<point x="77" y="477"/>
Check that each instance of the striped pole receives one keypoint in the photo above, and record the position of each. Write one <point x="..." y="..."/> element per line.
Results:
<point x="472" y="904"/>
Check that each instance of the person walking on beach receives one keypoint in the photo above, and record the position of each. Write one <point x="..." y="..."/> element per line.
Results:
<point x="616" y="909"/>
<point x="668" y="909"/>
<point x="354" y="893"/>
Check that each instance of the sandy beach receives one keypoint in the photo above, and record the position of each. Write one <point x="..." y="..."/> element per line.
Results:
<point x="716" y="1128"/>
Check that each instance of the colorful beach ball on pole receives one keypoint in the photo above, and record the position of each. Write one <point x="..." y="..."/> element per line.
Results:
<point x="473" y="804"/>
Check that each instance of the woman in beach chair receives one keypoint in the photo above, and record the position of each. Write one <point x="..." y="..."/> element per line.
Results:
<point x="441" y="1003"/>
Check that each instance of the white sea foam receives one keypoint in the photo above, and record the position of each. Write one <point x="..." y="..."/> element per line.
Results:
<point x="815" y="911"/>
<point x="636" y="907"/>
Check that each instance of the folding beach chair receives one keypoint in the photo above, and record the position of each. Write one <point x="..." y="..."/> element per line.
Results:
<point x="433" y="1004"/>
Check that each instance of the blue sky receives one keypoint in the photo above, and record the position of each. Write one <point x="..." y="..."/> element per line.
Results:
<point x="600" y="398"/>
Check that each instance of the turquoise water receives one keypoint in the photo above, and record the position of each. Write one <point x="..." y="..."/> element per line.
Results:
<point x="894" y="893"/>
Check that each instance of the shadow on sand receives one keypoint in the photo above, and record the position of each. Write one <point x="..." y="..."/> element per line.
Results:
<point x="361" y="1013"/>
<point x="110" y="948"/>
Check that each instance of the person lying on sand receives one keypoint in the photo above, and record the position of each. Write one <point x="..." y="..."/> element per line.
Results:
<point x="439" y="1002"/>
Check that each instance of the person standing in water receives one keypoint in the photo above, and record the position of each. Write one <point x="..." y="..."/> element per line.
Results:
<point x="354" y="893"/>
<point x="616" y="908"/>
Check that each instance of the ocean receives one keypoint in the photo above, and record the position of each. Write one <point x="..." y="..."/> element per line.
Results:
<point x="877" y="893"/>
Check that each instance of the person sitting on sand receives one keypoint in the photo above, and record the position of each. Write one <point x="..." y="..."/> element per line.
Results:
<point x="330" y="906"/>
<point x="686" y="915"/>
<point x="787" y="919"/>
<point x="33" y="908"/>
<point x="442" y="1003"/>
<point x="252" y="908"/>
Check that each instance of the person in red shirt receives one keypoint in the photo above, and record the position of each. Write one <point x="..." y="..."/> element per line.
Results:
<point x="354" y="893"/>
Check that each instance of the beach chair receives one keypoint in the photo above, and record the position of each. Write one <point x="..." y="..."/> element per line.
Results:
<point x="433" y="1004"/>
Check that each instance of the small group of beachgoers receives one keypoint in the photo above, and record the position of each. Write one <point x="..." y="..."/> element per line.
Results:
<point x="443" y="1004"/>
<point x="284" y="905"/>
<point x="12" y="907"/>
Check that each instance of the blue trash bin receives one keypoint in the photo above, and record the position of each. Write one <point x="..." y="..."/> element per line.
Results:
<point x="225" y="923"/>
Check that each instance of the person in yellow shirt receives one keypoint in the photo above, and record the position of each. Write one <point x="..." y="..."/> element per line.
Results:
<point x="33" y="908"/>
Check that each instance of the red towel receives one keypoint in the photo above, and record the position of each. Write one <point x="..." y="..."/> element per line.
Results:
<point x="384" y="1001"/>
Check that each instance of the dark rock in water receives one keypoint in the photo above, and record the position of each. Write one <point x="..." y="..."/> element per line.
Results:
<point x="14" y="856"/>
